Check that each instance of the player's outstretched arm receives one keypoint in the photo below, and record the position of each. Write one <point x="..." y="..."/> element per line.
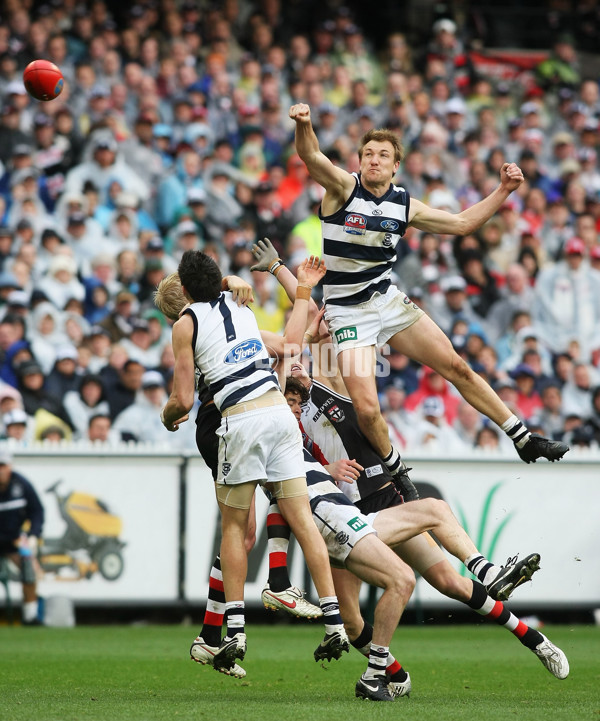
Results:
<point x="434" y="220"/>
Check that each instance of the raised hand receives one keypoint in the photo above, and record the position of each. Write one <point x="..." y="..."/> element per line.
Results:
<point x="511" y="176"/>
<point x="265" y="255"/>
<point x="310" y="272"/>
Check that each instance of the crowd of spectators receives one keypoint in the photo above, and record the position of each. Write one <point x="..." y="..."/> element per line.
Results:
<point x="172" y="133"/>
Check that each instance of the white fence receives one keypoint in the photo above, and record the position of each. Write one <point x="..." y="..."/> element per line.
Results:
<point x="161" y="506"/>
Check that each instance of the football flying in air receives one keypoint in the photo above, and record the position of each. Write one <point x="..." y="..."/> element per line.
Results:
<point x="43" y="80"/>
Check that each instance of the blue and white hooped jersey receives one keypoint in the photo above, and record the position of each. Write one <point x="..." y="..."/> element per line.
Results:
<point x="321" y="486"/>
<point x="229" y="352"/>
<point x="359" y="244"/>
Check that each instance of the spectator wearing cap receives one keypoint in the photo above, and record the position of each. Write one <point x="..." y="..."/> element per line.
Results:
<point x="141" y="420"/>
<point x="154" y="249"/>
<point x="445" y="47"/>
<point x="528" y="400"/>
<point x="17" y="425"/>
<point x="452" y="303"/>
<point x="37" y="402"/>
<point x="185" y="236"/>
<point x="567" y="300"/>
<point x="86" y="401"/>
<point x="432" y="430"/>
<point x="104" y="165"/>
<point x="433" y="384"/>
<point x="64" y="377"/>
<point x="268" y="217"/>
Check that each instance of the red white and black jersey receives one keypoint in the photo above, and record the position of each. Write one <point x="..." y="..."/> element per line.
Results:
<point x="329" y="419"/>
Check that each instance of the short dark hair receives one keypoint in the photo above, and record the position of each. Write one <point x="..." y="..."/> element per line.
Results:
<point x="200" y="276"/>
<point x="382" y="135"/>
<point x="96" y="416"/>
<point x="295" y="386"/>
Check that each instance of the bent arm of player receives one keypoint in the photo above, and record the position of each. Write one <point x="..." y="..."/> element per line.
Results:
<point x="242" y="292"/>
<point x="434" y="220"/>
<point x="268" y="260"/>
<point x="289" y="345"/>
<point x="181" y="399"/>
<point x="338" y="183"/>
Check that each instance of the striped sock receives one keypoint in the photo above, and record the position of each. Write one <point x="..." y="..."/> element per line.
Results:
<point x="377" y="661"/>
<point x="278" y="539"/>
<point x="393" y="461"/>
<point x="331" y="614"/>
<point x="479" y="566"/>
<point x="516" y="431"/>
<point x="235" y="618"/>
<point x="496" y="611"/>
<point x="362" y="643"/>
<point x="215" y="607"/>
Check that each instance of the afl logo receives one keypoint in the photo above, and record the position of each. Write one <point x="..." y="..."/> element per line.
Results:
<point x="390" y="225"/>
<point x="355" y="224"/>
<point x="243" y="351"/>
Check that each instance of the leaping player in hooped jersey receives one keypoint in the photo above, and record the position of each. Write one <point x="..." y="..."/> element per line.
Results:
<point x="363" y="216"/>
<point x="259" y="438"/>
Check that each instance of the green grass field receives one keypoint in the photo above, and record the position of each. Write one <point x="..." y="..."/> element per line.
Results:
<point x="115" y="673"/>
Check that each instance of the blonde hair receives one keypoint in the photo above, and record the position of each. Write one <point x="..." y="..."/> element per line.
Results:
<point x="169" y="298"/>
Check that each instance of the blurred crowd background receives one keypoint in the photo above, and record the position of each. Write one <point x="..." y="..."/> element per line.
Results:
<point x="172" y="132"/>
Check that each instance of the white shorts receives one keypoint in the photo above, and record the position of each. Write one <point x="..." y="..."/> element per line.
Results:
<point x="342" y="527"/>
<point x="373" y="322"/>
<point x="264" y="444"/>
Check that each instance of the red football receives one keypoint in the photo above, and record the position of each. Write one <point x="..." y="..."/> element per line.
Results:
<point x="43" y="80"/>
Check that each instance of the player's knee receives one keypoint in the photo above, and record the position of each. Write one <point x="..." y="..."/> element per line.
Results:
<point x="368" y="411"/>
<point x="451" y="584"/>
<point x="438" y="509"/>
<point x="402" y="581"/>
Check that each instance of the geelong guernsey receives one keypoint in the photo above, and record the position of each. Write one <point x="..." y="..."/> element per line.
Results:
<point x="229" y="352"/>
<point x="359" y="244"/>
<point x="330" y="420"/>
<point x="320" y="485"/>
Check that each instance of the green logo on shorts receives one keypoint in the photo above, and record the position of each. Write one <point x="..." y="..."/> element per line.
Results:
<point x="356" y="523"/>
<point x="348" y="333"/>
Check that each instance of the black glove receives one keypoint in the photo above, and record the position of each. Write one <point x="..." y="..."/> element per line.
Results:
<point x="404" y="485"/>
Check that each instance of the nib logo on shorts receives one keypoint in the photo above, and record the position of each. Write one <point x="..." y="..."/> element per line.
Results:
<point x="348" y="333"/>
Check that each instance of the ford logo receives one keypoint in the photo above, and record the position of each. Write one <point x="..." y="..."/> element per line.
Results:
<point x="389" y="225"/>
<point x="244" y="351"/>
